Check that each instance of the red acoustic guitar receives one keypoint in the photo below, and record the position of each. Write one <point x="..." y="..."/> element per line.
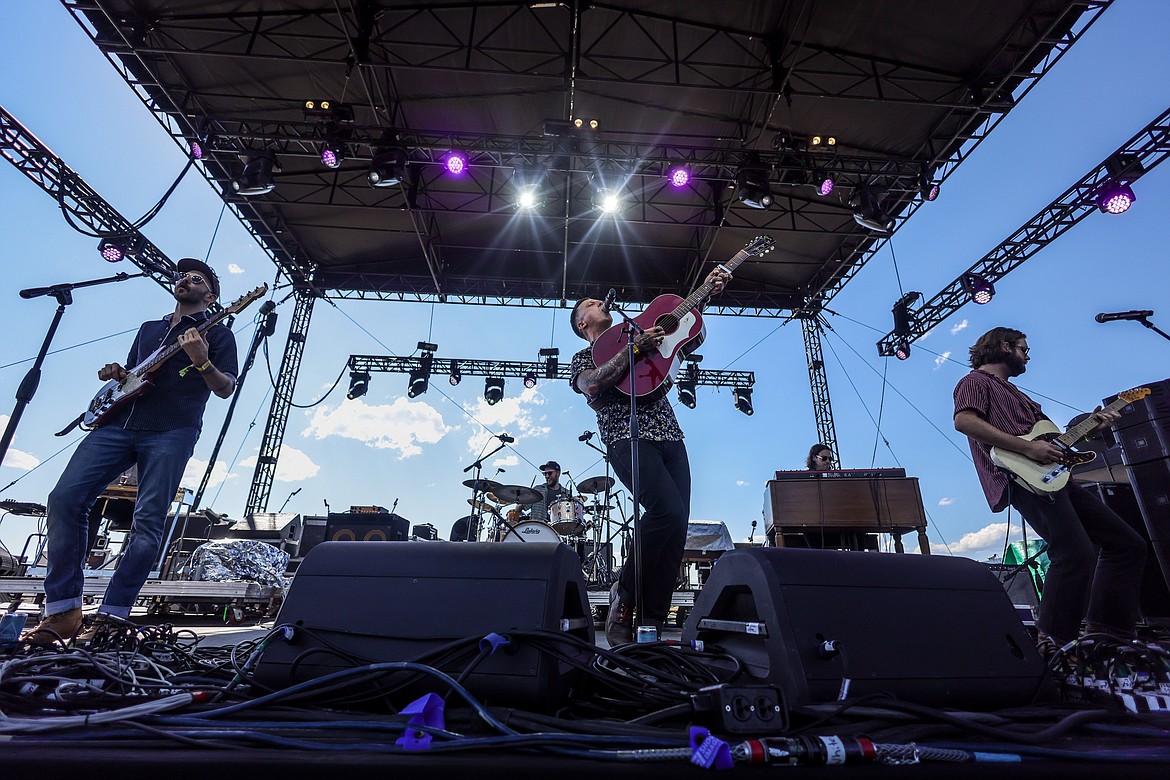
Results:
<point x="681" y="321"/>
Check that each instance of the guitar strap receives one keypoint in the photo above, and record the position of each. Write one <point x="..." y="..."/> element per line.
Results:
<point x="65" y="431"/>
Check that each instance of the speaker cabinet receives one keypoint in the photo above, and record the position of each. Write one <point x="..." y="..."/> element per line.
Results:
<point x="1145" y="505"/>
<point x="365" y="603"/>
<point x="927" y="629"/>
<point x="366" y="527"/>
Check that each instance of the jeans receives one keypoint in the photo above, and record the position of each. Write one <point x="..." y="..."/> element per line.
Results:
<point x="1095" y="558"/>
<point x="103" y="455"/>
<point x="664" y="492"/>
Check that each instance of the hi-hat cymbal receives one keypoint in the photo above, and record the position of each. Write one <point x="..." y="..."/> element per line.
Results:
<point x="516" y="494"/>
<point x="482" y="506"/>
<point x="595" y="484"/>
<point x="595" y="508"/>
<point x="484" y="485"/>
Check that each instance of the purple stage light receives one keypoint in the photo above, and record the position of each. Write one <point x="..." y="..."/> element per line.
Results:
<point x="113" y="253"/>
<point x="825" y="186"/>
<point x="932" y="192"/>
<point x="196" y="150"/>
<point x="679" y="176"/>
<point x="455" y="163"/>
<point x="1115" y="198"/>
<point x="329" y="158"/>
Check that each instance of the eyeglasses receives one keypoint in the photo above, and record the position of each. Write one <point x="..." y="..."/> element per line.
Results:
<point x="196" y="278"/>
<point x="549" y="473"/>
<point x="1025" y="350"/>
<point x="824" y="457"/>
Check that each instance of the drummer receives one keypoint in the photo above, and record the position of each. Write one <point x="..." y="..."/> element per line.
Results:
<point x="551" y="491"/>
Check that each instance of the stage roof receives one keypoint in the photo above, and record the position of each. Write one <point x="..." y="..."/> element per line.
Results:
<point x="907" y="89"/>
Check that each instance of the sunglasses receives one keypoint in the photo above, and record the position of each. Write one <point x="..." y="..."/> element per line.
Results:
<point x="196" y="278"/>
<point x="824" y="457"/>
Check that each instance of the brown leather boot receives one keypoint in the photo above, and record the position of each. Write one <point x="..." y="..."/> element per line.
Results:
<point x="54" y="629"/>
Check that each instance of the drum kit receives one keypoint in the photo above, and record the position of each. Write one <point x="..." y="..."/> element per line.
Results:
<point x="580" y="521"/>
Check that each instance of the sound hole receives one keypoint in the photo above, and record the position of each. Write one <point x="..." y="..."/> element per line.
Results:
<point x="668" y="322"/>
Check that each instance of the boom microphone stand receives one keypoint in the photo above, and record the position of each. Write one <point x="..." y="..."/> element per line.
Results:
<point x="28" y="386"/>
<point x="477" y="513"/>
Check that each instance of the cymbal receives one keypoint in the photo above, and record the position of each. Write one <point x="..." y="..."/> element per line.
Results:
<point x="595" y="508"/>
<point x="485" y="485"/>
<point x="595" y="484"/>
<point x="482" y="506"/>
<point x="516" y="493"/>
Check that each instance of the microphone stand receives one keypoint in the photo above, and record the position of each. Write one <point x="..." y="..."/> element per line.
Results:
<point x="604" y="516"/>
<point x="476" y="512"/>
<point x="1151" y="326"/>
<point x="28" y="386"/>
<point x="633" y="329"/>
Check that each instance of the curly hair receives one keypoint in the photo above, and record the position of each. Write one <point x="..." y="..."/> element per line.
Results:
<point x="573" y="319"/>
<point x="811" y="461"/>
<point x="989" y="347"/>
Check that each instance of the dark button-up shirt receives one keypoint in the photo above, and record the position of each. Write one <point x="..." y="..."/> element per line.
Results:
<point x="1005" y="406"/>
<point x="656" y="420"/>
<point x="176" y="401"/>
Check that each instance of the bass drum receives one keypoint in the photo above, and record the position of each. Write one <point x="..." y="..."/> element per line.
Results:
<point x="531" y="531"/>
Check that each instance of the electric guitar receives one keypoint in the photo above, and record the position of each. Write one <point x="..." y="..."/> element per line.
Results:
<point x="1044" y="478"/>
<point x="118" y="392"/>
<point x="682" y="322"/>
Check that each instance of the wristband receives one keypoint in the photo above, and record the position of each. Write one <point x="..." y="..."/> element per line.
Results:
<point x="201" y="369"/>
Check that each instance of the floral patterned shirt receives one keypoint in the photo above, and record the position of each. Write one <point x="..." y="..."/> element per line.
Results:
<point x="656" y="420"/>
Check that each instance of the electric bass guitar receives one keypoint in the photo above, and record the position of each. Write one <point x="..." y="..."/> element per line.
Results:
<point x="683" y="324"/>
<point x="1044" y="478"/>
<point x="118" y="392"/>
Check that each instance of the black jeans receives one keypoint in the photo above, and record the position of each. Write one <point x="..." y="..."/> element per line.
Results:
<point x="1095" y="558"/>
<point x="664" y="491"/>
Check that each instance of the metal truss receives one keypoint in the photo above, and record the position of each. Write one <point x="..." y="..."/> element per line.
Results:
<point x="515" y="368"/>
<point x="286" y="382"/>
<point x="1138" y="156"/>
<point x="958" y="134"/>
<point x="818" y="381"/>
<point x="78" y="201"/>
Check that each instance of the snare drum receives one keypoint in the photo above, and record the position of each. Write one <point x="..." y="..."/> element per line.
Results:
<point x="567" y="516"/>
<point x="516" y="515"/>
<point x="531" y="531"/>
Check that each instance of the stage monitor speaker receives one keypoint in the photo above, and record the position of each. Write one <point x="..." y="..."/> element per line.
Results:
<point x="312" y="533"/>
<point x="274" y="527"/>
<point x="366" y="527"/>
<point x="1151" y="488"/>
<point x="356" y="604"/>
<point x="927" y="629"/>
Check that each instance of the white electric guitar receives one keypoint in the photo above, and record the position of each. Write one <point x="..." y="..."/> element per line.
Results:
<point x="1050" y="477"/>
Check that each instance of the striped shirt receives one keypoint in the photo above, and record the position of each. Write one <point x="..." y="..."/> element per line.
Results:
<point x="1005" y="406"/>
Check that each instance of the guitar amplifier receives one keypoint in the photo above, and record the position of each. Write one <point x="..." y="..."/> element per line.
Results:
<point x="362" y="527"/>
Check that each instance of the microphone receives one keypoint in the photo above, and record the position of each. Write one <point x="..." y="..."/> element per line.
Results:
<point x="608" y="302"/>
<point x="585" y="436"/>
<point x="1136" y="314"/>
<point x="505" y="438"/>
<point x="161" y="270"/>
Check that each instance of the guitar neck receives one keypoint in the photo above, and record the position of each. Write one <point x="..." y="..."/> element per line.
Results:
<point x="701" y="292"/>
<point x="1085" y="426"/>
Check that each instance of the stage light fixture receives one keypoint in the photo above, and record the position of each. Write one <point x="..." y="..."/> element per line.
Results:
<point x="332" y="154"/>
<point x="196" y="150"/>
<point x="530" y="184"/>
<point x="420" y="378"/>
<point x="605" y="197"/>
<point x="869" y="212"/>
<point x="455" y="162"/>
<point x="493" y="390"/>
<point x="981" y="290"/>
<point x="456" y="375"/>
<point x="388" y="167"/>
<point x="679" y="176"/>
<point x="1115" y="197"/>
<point x="359" y="383"/>
<point x="530" y="379"/>
<point x="257" y="178"/>
<point x="902" y="349"/>
<point x="743" y="400"/>
<point x="687" y="383"/>
<point x="928" y="189"/>
<point x="823" y="183"/>
<point x="903" y="324"/>
<point x="822" y="141"/>
<point x="115" y="249"/>
<point x="551" y="362"/>
<point x="752" y="187"/>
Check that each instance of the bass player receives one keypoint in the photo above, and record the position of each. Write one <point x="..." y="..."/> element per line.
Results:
<point x="1095" y="558"/>
<point x="157" y="432"/>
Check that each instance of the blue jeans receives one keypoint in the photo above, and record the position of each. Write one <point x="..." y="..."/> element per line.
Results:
<point x="664" y="491"/>
<point x="103" y="455"/>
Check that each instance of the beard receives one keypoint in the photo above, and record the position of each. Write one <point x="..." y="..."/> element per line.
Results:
<point x="1016" y="364"/>
<point x="188" y="295"/>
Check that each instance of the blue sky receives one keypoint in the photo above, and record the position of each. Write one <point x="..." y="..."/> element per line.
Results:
<point x="386" y="447"/>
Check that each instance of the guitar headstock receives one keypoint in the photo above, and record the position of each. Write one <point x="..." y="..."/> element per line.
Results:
<point x="1136" y="394"/>
<point x="760" y="245"/>
<point x="245" y="300"/>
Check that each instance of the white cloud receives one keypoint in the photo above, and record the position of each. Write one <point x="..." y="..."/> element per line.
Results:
<point x="193" y="474"/>
<point x="988" y="538"/>
<point x="233" y="268"/>
<point x="293" y="465"/>
<point x="740" y="483"/>
<point x="514" y="415"/>
<point x="507" y="460"/>
<point x="18" y="459"/>
<point x="960" y="327"/>
<point x="944" y="501"/>
<point x="401" y="426"/>
<point x="940" y="359"/>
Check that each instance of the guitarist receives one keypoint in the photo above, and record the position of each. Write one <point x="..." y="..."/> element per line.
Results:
<point x="1095" y="558"/>
<point x="157" y="432"/>
<point x="664" y="476"/>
